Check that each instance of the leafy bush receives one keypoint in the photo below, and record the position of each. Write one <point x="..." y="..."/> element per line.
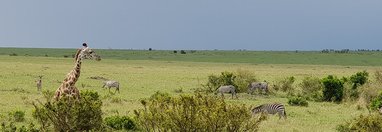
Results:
<point x="368" y="93"/>
<point x="368" y="123"/>
<point x="359" y="78"/>
<point x="68" y="114"/>
<point x="17" y="116"/>
<point x="378" y="76"/>
<point x="11" y="127"/>
<point x="120" y="122"/>
<point x="243" y="78"/>
<point x="194" y="113"/>
<point x="312" y="88"/>
<point x="376" y="103"/>
<point x="297" y="101"/>
<point x="333" y="89"/>
<point x="225" y="78"/>
<point x="285" y="85"/>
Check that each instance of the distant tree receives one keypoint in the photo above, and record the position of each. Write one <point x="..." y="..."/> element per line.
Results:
<point x="150" y="49"/>
<point x="175" y="51"/>
<point x="183" y="52"/>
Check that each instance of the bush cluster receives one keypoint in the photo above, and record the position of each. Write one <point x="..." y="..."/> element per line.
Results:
<point x="240" y="80"/>
<point x="69" y="114"/>
<point x="368" y="123"/>
<point x="333" y="89"/>
<point x="297" y="101"/>
<point x="312" y="88"/>
<point x="376" y="103"/>
<point x="17" y="116"/>
<point x="196" y="112"/>
<point x="120" y="122"/>
<point x="285" y="85"/>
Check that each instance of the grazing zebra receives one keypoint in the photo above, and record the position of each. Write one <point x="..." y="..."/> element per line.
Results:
<point x="226" y="89"/>
<point x="271" y="109"/>
<point x="258" y="85"/>
<point x="39" y="83"/>
<point x="110" y="84"/>
<point x="380" y="110"/>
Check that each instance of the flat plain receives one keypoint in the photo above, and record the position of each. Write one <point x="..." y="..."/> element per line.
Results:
<point x="142" y="73"/>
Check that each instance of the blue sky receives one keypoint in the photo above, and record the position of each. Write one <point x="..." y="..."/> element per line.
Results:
<point x="193" y="24"/>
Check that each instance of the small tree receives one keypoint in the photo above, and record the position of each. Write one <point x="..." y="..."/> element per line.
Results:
<point x="376" y="103"/>
<point x="333" y="89"/>
<point x="312" y="88"/>
<point x="197" y="112"/>
<point x="69" y="114"/>
<point x="225" y="78"/>
<point x="359" y="78"/>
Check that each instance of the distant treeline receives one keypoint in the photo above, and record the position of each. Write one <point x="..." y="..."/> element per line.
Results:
<point x="348" y="50"/>
<point x="361" y="57"/>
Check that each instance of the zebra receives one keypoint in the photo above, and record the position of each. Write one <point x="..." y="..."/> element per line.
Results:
<point x="271" y="109"/>
<point x="110" y="84"/>
<point x="39" y="83"/>
<point x="258" y="85"/>
<point x="226" y="89"/>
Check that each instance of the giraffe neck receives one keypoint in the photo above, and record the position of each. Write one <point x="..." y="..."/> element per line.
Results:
<point x="74" y="74"/>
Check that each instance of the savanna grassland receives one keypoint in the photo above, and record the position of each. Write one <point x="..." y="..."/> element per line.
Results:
<point x="142" y="73"/>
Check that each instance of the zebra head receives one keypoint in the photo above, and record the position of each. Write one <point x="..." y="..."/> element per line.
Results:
<point x="88" y="53"/>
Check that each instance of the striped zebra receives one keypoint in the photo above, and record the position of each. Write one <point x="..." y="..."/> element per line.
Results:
<point x="271" y="109"/>
<point x="258" y="85"/>
<point x="110" y="84"/>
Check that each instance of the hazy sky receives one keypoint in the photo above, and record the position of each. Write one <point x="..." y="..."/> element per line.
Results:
<point x="192" y="24"/>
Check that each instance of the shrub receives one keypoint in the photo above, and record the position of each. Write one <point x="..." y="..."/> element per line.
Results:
<point x="194" y="113"/>
<point x="368" y="123"/>
<point x="285" y="85"/>
<point x="378" y="76"/>
<point x="11" y="127"/>
<point x="17" y="116"/>
<point x="333" y="89"/>
<point x="182" y="52"/>
<point x="312" y="88"/>
<point x="359" y="78"/>
<point x="214" y="82"/>
<point x="376" y="103"/>
<point x="13" y="54"/>
<point x="297" y="101"/>
<point x="120" y="122"/>
<point x="68" y="114"/>
<point x="243" y="78"/>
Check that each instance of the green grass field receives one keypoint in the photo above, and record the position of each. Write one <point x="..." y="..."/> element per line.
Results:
<point x="142" y="73"/>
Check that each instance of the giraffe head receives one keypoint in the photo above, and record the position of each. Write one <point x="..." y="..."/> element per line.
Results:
<point x="87" y="53"/>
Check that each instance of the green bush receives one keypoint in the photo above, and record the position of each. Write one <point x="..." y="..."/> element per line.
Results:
<point x="196" y="112"/>
<point x="378" y="76"/>
<point x="297" y="101"/>
<point x="214" y="82"/>
<point x="69" y="114"/>
<point x="368" y="123"/>
<point x="11" y="127"/>
<point x="376" y="103"/>
<point x="285" y="85"/>
<point x="243" y="78"/>
<point x="120" y="122"/>
<point x="359" y="78"/>
<point x="333" y="89"/>
<point x="312" y="88"/>
<point x="17" y="116"/>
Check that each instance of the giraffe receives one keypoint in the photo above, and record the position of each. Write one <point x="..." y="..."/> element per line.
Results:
<point x="68" y="87"/>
